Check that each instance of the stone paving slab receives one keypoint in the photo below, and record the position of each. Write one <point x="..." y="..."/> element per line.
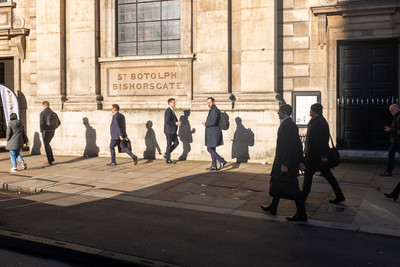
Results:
<point x="239" y="189"/>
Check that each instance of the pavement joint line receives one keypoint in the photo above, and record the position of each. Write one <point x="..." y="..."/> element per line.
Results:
<point x="70" y="251"/>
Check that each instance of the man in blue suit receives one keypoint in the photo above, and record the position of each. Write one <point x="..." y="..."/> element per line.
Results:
<point x="213" y="137"/>
<point x="171" y="124"/>
<point x="118" y="135"/>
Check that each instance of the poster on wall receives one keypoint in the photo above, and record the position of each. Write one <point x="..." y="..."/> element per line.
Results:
<point x="302" y="102"/>
<point x="10" y="102"/>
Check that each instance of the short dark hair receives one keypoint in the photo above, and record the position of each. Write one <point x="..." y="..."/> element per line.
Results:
<point x="115" y="106"/>
<point x="170" y="100"/>
<point x="13" y="116"/>
<point x="46" y="103"/>
<point x="212" y="99"/>
<point x="286" y="108"/>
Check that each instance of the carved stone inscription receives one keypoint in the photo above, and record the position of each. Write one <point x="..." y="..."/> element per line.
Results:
<point x="154" y="80"/>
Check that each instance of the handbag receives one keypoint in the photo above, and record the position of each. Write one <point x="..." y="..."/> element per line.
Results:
<point x="127" y="144"/>
<point x="333" y="155"/>
<point x="284" y="186"/>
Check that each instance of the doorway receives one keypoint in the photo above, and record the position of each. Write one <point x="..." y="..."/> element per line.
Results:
<point x="367" y="85"/>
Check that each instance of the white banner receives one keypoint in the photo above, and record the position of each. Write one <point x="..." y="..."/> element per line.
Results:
<point x="10" y="102"/>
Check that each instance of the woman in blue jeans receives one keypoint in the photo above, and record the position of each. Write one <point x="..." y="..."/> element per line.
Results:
<point x="16" y="138"/>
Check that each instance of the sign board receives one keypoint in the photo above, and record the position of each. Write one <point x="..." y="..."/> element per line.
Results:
<point x="10" y="102"/>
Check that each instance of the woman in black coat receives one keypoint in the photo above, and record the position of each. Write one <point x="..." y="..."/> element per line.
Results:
<point x="16" y="138"/>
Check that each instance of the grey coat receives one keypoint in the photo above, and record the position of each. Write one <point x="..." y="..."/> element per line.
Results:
<point x="213" y="136"/>
<point x="15" y="135"/>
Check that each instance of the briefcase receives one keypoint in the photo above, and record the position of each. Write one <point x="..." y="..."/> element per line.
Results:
<point x="284" y="186"/>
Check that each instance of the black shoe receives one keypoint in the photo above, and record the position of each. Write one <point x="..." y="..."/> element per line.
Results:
<point x="391" y="195"/>
<point x="170" y="162"/>
<point x="338" y="199"/>
<point x="297" y="218"/>
<point x="211" y="169"/>
<point x="222" y="164"/>
<point x="268" y="209"/>
<point x="135" y="160"/>
<point x="111" y="164"/>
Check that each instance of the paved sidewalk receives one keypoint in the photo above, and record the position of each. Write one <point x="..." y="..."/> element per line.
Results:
<point x="238" y="189"/>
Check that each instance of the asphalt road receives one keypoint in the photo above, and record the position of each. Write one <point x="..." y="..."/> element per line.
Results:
<point x="193" y="238"/>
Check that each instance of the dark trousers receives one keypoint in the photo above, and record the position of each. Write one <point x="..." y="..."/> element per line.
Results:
<point x="391" y="155"/>
<point x="300" y="204"/>
<point x="172" y="143"/>
<point x="308" y="176"/>
<point x="47" y="137"/>
<point x="122" y="145"/>
<point x="396" y="190"/>
<point x="214" y="156"/>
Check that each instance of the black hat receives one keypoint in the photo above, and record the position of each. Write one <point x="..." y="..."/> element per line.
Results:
<point x="317" y="108"/>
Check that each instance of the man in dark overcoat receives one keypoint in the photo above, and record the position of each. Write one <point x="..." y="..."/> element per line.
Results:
<point x="288" y="159"/>
<point x="47" y="132"/>
<point x="213" y="137"/>
<point x="118" y="135"/>
<point x="171" y="124"/>
<point x="394" y="131"/>
<point x="316" y="153"/>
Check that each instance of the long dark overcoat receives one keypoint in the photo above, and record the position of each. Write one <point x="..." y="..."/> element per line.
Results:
<point x="213" y="137"/>
<point x="317" y="143"/>
<point x="289" y="150"/>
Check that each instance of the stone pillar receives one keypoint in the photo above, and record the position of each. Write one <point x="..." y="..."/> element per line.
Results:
<point x="258" y="50"/>
<point x="50" y="52"/>
<point x="211" y="37"/>
<point x="82" y="51"/>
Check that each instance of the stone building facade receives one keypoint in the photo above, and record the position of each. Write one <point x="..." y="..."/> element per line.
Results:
<point x="83" y="56"/>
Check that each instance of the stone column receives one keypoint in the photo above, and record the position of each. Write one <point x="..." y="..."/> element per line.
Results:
<point x="50" y="52"/>
<point x="82" y="51"/>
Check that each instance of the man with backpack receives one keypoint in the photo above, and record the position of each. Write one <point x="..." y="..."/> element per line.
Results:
<point x="49" y="122"/>
<point x="213" y="137"/>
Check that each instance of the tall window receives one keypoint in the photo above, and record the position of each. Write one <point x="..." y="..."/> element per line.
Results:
<point x="148" y="27"/>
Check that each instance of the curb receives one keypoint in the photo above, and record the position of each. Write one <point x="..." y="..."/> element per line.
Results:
<point x="71" y="252"/>
<point x="17" y="188"/>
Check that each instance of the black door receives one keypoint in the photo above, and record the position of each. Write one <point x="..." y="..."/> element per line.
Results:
<point x="367" y="86"/>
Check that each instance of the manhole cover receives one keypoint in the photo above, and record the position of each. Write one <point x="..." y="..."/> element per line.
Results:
<point x="335" y="209"/>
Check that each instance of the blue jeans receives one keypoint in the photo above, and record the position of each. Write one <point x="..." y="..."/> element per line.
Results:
<point x="14" y="156"/>
<point x="392" y="152"/>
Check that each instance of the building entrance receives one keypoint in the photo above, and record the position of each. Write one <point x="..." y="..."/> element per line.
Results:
<point x="7" y="79"/>
<point x="367" y="85"/>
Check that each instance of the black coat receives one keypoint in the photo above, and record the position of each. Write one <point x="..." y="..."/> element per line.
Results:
<point x="43" y="116"/>
<point x="213" y="137"/>
<point x="170" y="120"/>
<point x="394" y="129"/>
<point x="317" y="143"/>
<point x="289" y="150"/>
<point x="118" y="127"/>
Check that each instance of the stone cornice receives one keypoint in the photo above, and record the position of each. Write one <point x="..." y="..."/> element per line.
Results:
<point x="357" y="9"/>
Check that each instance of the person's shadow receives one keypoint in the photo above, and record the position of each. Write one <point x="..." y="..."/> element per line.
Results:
<point x="150" y="142"/>
<point x="91" y="149"/>
<point x="185" y="134"/>
<point x="242" y="139"/>
<point x="37" y="144"/>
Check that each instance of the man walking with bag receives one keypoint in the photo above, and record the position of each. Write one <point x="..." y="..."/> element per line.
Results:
<point x="213" y="137"/>
<point x="48" y="123"/>
<point x="288" y="159"/>
<point x="316" y="154"/>
<point x="118" y="135"/>
<point x="171" y="124"/>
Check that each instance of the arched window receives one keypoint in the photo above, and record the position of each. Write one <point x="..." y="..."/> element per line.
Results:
<point x="147" y="27"/>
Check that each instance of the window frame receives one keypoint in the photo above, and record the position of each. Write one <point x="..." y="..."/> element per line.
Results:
<point x="137" y="24"/>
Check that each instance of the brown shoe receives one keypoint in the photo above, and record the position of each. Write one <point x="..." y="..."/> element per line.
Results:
<point x="385" y="173"/>
<point x="47" y="163"/>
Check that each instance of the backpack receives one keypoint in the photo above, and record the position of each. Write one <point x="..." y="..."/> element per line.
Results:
<point x="224" y="121"/>
<point x="52" y="120"/>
